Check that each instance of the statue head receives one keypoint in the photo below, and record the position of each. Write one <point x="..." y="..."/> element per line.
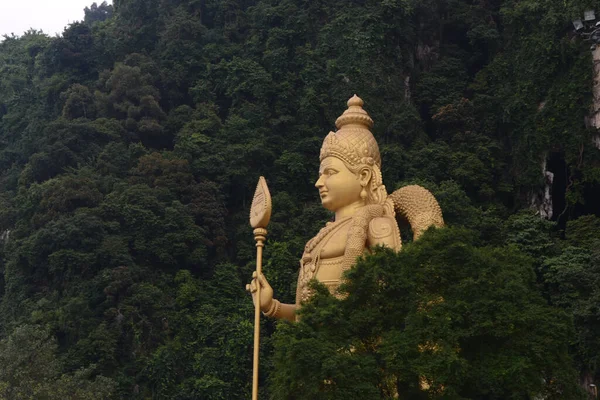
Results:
<point x="352" y="154"/>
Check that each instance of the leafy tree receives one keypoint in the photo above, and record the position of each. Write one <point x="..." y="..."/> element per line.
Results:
<point x="97" y="13"/>
<point x="129" y="149"/>
<point x="30" y="370"/>
<point x="573" y="279"/>
<point x="458" y="322"/>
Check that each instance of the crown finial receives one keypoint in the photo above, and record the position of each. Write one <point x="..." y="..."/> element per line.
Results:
<point x="354" y="115"/>
<point x="355" y="101"/>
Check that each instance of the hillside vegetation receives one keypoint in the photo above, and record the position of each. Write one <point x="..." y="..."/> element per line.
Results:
<point x="131" y="144"/>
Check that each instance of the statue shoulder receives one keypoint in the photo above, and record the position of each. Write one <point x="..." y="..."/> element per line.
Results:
<point x="384" y="231"/>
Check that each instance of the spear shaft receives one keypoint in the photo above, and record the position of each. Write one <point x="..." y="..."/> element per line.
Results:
<point x="259" y="236"/>
<point x="260" y="215"/>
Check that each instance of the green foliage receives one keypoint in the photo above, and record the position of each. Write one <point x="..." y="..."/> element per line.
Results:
<point x="583" y="232"/>
<point x="573" y="281"/>
<point x="98" y="13"/>
<point x="30" y="369"/>
<point x="129" y="150"/>
<point x="441" y="319"/>
<point x="530" y="234"/>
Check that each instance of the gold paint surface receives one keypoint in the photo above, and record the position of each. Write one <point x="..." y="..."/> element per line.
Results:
<point x="350" y="184"/>
<point x="260" y="211"/>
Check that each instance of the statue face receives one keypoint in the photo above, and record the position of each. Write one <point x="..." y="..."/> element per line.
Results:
<point x="338" y="186"/>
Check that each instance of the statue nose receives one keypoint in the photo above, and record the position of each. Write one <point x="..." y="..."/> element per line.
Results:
<point x="319" y="183"/>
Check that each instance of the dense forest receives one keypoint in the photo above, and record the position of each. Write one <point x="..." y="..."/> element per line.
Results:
<point x="130" y="147"/>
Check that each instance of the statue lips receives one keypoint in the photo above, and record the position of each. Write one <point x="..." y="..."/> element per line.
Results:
<point x="323" y="196"/>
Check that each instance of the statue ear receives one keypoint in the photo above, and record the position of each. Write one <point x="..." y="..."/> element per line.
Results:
<point x="364" y="175"/>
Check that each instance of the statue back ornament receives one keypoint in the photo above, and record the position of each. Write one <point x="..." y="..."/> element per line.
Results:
<point x="350" y="184"/>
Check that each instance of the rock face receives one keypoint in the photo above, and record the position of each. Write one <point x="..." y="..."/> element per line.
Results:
<point x="594" y="119"/>
<point x="4" y="237"/>
<point x="541" y="201"/>
<point x="427" y="54"/>
<point x="596" y="141"/>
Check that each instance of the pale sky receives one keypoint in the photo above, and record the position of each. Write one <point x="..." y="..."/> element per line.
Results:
<point x="51" y="16"/>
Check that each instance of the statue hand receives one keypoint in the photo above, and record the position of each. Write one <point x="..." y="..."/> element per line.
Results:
<point x="266" y="291"/>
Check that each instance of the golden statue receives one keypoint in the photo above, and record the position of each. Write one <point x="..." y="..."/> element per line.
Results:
<point x="350" y="185"/>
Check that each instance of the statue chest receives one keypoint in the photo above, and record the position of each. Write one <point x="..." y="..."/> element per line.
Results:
<point x="329" y="268"/>
<point x="334" y="245"/>
<point x="323" y="259"/>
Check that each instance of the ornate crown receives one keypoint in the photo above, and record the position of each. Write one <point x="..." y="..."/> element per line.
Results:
<point x="353" y="143"/>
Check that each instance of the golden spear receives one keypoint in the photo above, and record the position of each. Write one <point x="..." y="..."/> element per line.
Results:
<point x="260" y="214"/>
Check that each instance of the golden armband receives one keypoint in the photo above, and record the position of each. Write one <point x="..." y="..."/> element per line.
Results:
<point x="273" y="311"/>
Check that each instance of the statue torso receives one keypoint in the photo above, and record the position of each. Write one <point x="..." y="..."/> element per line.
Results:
<point x="325" y="250"/>
<point x="323" y="256"/>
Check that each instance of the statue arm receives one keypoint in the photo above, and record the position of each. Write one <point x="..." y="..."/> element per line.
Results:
<point x="383" y="231"/>
<point x="269" y="306"/>
<point x="280" y="310"/>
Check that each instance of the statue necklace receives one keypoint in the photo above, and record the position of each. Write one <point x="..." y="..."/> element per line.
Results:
<point x="326" y="230"/>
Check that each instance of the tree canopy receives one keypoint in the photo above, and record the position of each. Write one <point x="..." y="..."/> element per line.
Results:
<point x="130" y="146"/>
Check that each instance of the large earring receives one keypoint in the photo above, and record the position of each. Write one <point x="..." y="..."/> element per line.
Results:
<point x="363" y="194"/>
